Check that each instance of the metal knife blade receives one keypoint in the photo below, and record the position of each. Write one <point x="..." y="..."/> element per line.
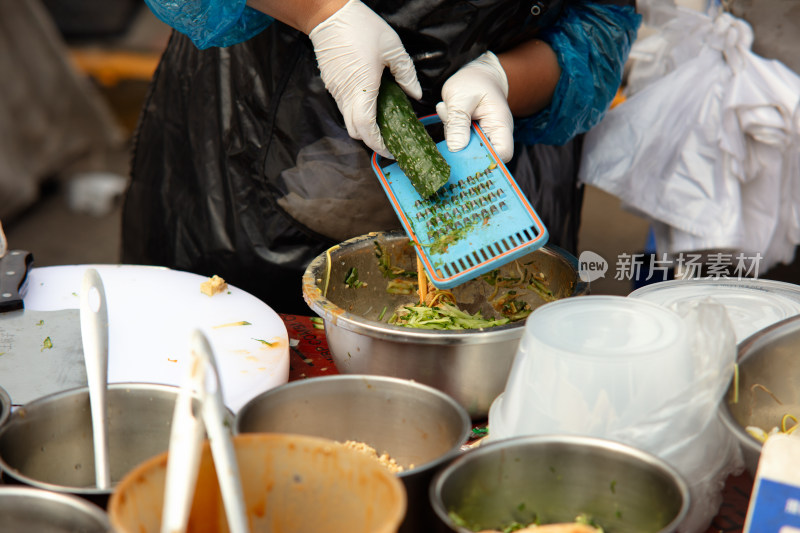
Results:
<point x="14" y="267"/>
<point x="40" y="351"/>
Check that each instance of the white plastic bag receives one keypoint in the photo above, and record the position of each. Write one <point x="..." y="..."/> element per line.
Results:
<point x="706" y="145"/>
<point x="687" y="431"/>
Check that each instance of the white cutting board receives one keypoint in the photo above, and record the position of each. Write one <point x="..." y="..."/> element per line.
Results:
<point x="151" y="312"/>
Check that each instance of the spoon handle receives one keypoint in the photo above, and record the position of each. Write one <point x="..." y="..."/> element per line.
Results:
<point x="94" y="332"/>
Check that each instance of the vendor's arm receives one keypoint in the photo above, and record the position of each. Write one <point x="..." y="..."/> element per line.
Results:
<point x="591" y="42"/>
<point x="533" y="71"/>
<point x="211" y="23"/>
<point x="556" y="86"/>
<point x="301" y="15"/>
<point x="493" y="89"/>
<point x="353" y="46"/>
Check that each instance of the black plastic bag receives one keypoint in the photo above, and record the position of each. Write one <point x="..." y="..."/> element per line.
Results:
<point x="242" y="166"/>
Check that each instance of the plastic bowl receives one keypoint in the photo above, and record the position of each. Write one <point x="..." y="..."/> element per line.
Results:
<point x="291" y="484"/>
<point x="751" y="304"/>
<point x="591" y="366"/>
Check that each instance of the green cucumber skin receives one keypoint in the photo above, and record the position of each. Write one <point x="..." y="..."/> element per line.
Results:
<point x="408" y="141"/>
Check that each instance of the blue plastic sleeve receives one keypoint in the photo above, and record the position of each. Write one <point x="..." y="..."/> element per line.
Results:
<point x="211" y="22"/>
<point x="592" y="43"/>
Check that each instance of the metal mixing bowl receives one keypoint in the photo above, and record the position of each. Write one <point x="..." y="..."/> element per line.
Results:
<point x="414" y="423"/>
<point x="470" y="365"/>
<point x="48" y="443"/>
<point x="5" y="406"/>
<point x="30" y="509"/>
<point x="769" y="385"/>
<point x="556" y="478"/>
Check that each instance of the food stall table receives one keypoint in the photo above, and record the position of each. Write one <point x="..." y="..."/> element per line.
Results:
<point x="309" y="357"/>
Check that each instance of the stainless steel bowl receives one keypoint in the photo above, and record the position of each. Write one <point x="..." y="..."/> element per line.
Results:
<point x="5" y="406"/>
<point x="42" y="511"/>
<point x="48" y="443"/>
<point x="470" y="365"/>
<point x="414" y="423"/>
<point x="556" y="478"/>
<point x="768" y="385"/>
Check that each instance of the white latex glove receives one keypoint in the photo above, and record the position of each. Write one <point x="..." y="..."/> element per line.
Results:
<point x="479" y="92"/>
<point x="352" y="47"/>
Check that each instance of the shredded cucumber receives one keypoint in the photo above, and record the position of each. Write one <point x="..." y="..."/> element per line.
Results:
<point x="444" y="316"/>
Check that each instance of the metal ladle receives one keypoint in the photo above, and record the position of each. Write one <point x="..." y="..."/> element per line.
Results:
<point x="94" y="333"/>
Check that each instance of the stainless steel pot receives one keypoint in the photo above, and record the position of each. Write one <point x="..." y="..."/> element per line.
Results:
<point x="47" y="443"/>
<point x="414" y="423"/>
<point x="555" y="479"/>
<point x="768" y="385"/>
<point x="30" y="509"/>
<point x="470" y="365"/>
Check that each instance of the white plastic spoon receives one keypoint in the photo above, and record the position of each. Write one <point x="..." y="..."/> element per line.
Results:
<point x="94" y="333"/>
<point x="186" y="438"/>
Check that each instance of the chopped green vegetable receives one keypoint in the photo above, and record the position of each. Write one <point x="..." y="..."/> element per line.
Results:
<point x="351" y="279"/>
<point x="491" y="277"/>
<point x="587" y="520"/>
<point x="546" y="294"/>
<point x="401" y="286"/>
<point x="317" y="322"/>
<point x="512" y="308"/>
<point x="383" y="312"/>
<point x="480" y="432"/>
<point x="47" y="344"/>
<point x="40" y="323"/>
<point x="443" y="242"/>
<point x="385" y="265"/>
<point x="460" y="522"/>
<point x="444" y="316"/>
<point x="516" y="525"/>
<point x="262" y="341"/>
<point x="231" y="324"/>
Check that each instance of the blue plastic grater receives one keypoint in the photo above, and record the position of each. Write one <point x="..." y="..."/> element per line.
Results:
<point x="477" y="222"/>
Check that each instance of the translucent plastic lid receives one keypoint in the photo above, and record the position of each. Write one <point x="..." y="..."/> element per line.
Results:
<point x="751" y="304"/>
<point x="593" y="365"/>
<point x="609" y="326"/>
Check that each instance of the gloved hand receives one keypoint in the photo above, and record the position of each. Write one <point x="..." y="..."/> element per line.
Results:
<point x="352" y="47"/>
<point x="478" y="91"/>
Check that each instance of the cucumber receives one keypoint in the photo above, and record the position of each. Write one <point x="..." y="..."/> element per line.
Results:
<point x="408" y="140"/>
